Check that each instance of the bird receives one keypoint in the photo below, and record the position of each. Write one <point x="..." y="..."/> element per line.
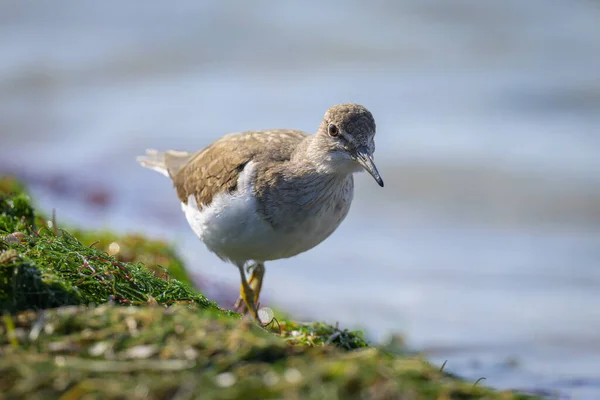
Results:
<point x="264" y="195"/>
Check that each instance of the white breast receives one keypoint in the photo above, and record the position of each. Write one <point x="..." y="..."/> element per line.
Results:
<point x="232" y="228"/>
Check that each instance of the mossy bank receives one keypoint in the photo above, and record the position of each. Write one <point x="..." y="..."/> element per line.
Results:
<point x="96" y="315"/>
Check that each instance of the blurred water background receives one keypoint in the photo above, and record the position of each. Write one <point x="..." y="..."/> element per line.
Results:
<point x="483" y="249"/>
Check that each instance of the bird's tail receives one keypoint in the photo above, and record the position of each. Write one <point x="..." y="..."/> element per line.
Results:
<point x="167" y="163"/>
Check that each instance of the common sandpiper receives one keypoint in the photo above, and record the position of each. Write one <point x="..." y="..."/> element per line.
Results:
<point x="258" y="196"/>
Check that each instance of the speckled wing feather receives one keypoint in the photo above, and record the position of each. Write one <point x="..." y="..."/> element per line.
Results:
<point x="217" y="168"/>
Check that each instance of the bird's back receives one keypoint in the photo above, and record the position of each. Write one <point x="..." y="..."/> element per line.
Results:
<point x="217" y="167"/>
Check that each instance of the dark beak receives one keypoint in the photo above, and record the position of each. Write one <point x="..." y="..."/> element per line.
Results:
<point x="365" y="159"/>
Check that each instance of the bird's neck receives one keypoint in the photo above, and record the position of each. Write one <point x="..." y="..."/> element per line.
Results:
<point x="308" y="185"/>
<point x="319" y="180"/>
<point x="305" y="191"/>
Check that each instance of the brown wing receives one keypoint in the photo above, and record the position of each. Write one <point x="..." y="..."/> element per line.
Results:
<point x="217" y="168"/>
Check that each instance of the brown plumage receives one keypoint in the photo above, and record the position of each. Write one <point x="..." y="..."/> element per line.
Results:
<point x="217" y="167"/>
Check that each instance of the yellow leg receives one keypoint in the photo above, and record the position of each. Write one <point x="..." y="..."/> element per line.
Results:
<point x="256" y="280"/>
<point x="255" y="286"/>
<point x="247" y="294"/>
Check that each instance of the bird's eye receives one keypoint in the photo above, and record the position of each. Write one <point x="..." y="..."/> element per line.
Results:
<point x="333" y="130"/>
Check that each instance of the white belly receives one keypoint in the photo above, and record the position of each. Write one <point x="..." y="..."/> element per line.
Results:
<point x="232" y="228"/>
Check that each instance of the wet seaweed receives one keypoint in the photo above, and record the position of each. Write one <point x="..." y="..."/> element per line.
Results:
<point x="42" y="267"/>
<point x="154" y="352"/>
<point x="85" y="318"/>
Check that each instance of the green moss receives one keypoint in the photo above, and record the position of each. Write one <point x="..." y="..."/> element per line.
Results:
<point x="43" y="267"/>
<point x="16" y="213"/>
<point x="319" y="334"/>
<point x="157" y="255"/>
<point x="168" y="341"/>
<point x="152" y="352"/>
<point x="48" y="270"/>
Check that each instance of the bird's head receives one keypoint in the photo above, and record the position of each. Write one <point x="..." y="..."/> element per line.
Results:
<point x="347" y="132"/>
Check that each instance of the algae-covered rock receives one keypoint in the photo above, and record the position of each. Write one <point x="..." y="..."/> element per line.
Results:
<point x="157" y="353"/>
<point x="83" y="316"/>
<point x="42" y="266"/>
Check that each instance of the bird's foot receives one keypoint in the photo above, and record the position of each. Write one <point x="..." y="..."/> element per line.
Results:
<point x="251" y="293"/>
